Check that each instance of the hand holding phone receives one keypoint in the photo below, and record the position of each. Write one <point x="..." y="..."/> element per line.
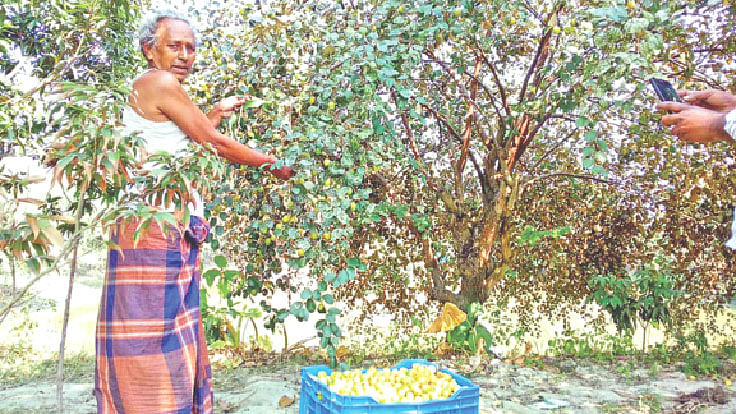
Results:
<point x="712" y="99"/>
<point x="664" y="90"/>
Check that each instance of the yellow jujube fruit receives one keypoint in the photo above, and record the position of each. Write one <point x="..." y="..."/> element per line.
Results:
<point x="418" y="384"/>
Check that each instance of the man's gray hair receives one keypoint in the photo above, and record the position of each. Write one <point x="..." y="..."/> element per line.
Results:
<point x="147" y="32"/>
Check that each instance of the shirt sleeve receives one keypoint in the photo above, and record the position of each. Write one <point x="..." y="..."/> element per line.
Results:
<point x="731" y="243"/>
<point x="730" y="125"/>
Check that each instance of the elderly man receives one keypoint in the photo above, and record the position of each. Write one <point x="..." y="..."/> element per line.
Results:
<point x="151" y="349"/>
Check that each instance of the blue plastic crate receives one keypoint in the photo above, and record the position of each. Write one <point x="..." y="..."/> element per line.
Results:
<point x="464" y="401"/>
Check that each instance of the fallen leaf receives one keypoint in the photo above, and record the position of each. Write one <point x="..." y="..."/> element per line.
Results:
<point x="451" y="317"/>
<point x="35" y="179"/>
<point x="342" y="351"/>
<point x="443" y="349"/>
<point x="286" y="401"/>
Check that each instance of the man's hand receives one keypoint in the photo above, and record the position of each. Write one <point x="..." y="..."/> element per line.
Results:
<point x="693" y="123"/>
<point x="712" y="99"/>
<point x="225" y="108"/>
<point x="283" y="173"/>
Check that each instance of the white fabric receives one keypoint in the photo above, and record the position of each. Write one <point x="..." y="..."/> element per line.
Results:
<point x="160" y="137"/>
<point x="730" y="125"/>
<point x="731" y="243"/>
<point x="730" y="128"/>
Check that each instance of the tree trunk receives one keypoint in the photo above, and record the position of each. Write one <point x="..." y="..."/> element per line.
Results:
<point x="65" y="324"/>
<point x="12" y="273"/>
<point x="286" y="340"/>
<point x="483" y="254"/>
<point x="255" y="327"/>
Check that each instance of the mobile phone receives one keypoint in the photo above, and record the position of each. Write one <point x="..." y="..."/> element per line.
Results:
<point x="664" y="90"/>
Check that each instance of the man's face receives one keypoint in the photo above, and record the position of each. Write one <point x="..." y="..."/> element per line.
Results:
<point x="174" y="49"/>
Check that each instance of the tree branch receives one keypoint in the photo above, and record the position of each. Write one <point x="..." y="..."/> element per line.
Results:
<point x="58" y="70"/>
<point x="412" y="144"/>
<point x="540" y="48"/>
<point x="468" y="123"/>
<point x="569" y="175"/>
<point x="499" y="85"/>
<point x="532" y="11"/>
<point x="554" y="148"/>
<point x="438" y="290"/>
<point x="441" y="120"/>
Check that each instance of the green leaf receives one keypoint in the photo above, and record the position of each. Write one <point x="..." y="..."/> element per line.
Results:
<point x="599" y="170"/>
<point x="330" y="276"/>
<point x="221" y="261"/>
<point x="252" y="102"/>
<point x="210" y="275"/>
<point x="230" y="275"/>
<point x="34" y="265"/>
<point x="582" y="122"/>
<point x="483" y="333"/>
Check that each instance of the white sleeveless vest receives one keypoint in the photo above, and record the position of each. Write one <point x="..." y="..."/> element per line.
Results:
<point x="160" y="137"/>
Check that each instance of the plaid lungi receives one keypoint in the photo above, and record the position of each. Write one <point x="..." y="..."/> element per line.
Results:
<point x="151" y="348"/>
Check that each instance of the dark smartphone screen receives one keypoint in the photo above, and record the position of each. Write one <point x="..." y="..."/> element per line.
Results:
<point x="664" y="90"/>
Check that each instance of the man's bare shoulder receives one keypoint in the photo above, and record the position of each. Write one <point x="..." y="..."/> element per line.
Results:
<point x="155" y="81"/>
<point x="152" y="90"/>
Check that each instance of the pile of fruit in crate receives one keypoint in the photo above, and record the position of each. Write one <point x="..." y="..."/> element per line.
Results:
<point x="418" y="384"/>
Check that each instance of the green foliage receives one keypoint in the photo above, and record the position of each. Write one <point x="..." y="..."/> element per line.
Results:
<point x="466" y="336"/>
<point x="651" y="402"/>
<point x="698" y="358"/>
<point x="645" y="296"/>
<point x="422" y="132"/>
<point x="578" y="347"/>
<point x="370" y="102"/>
<point x="532" y="237"/>
<point x="729" y="351"/>
<point x="600" y="349"/>
<point x="65" y="108"/>
<point x="72" y="94"/>
<point x="78" y="368"/>
<point x="626" y="368"/>
<point x="226" y="323"/>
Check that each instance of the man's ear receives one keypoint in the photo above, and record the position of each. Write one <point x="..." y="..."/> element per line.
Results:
<point x="148" y="51"/>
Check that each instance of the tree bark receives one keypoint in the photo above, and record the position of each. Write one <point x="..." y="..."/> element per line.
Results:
<point x="62" y="343"/>
<point x="12" y="273"/>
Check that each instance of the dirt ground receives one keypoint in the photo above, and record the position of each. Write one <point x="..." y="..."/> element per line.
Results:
<point x="559" y="385"/>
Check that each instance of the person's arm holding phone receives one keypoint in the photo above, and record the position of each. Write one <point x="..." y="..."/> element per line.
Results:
<point x="703" y="117"/>
<point x="712" y="99"/>
<point x="695" y="124"/>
